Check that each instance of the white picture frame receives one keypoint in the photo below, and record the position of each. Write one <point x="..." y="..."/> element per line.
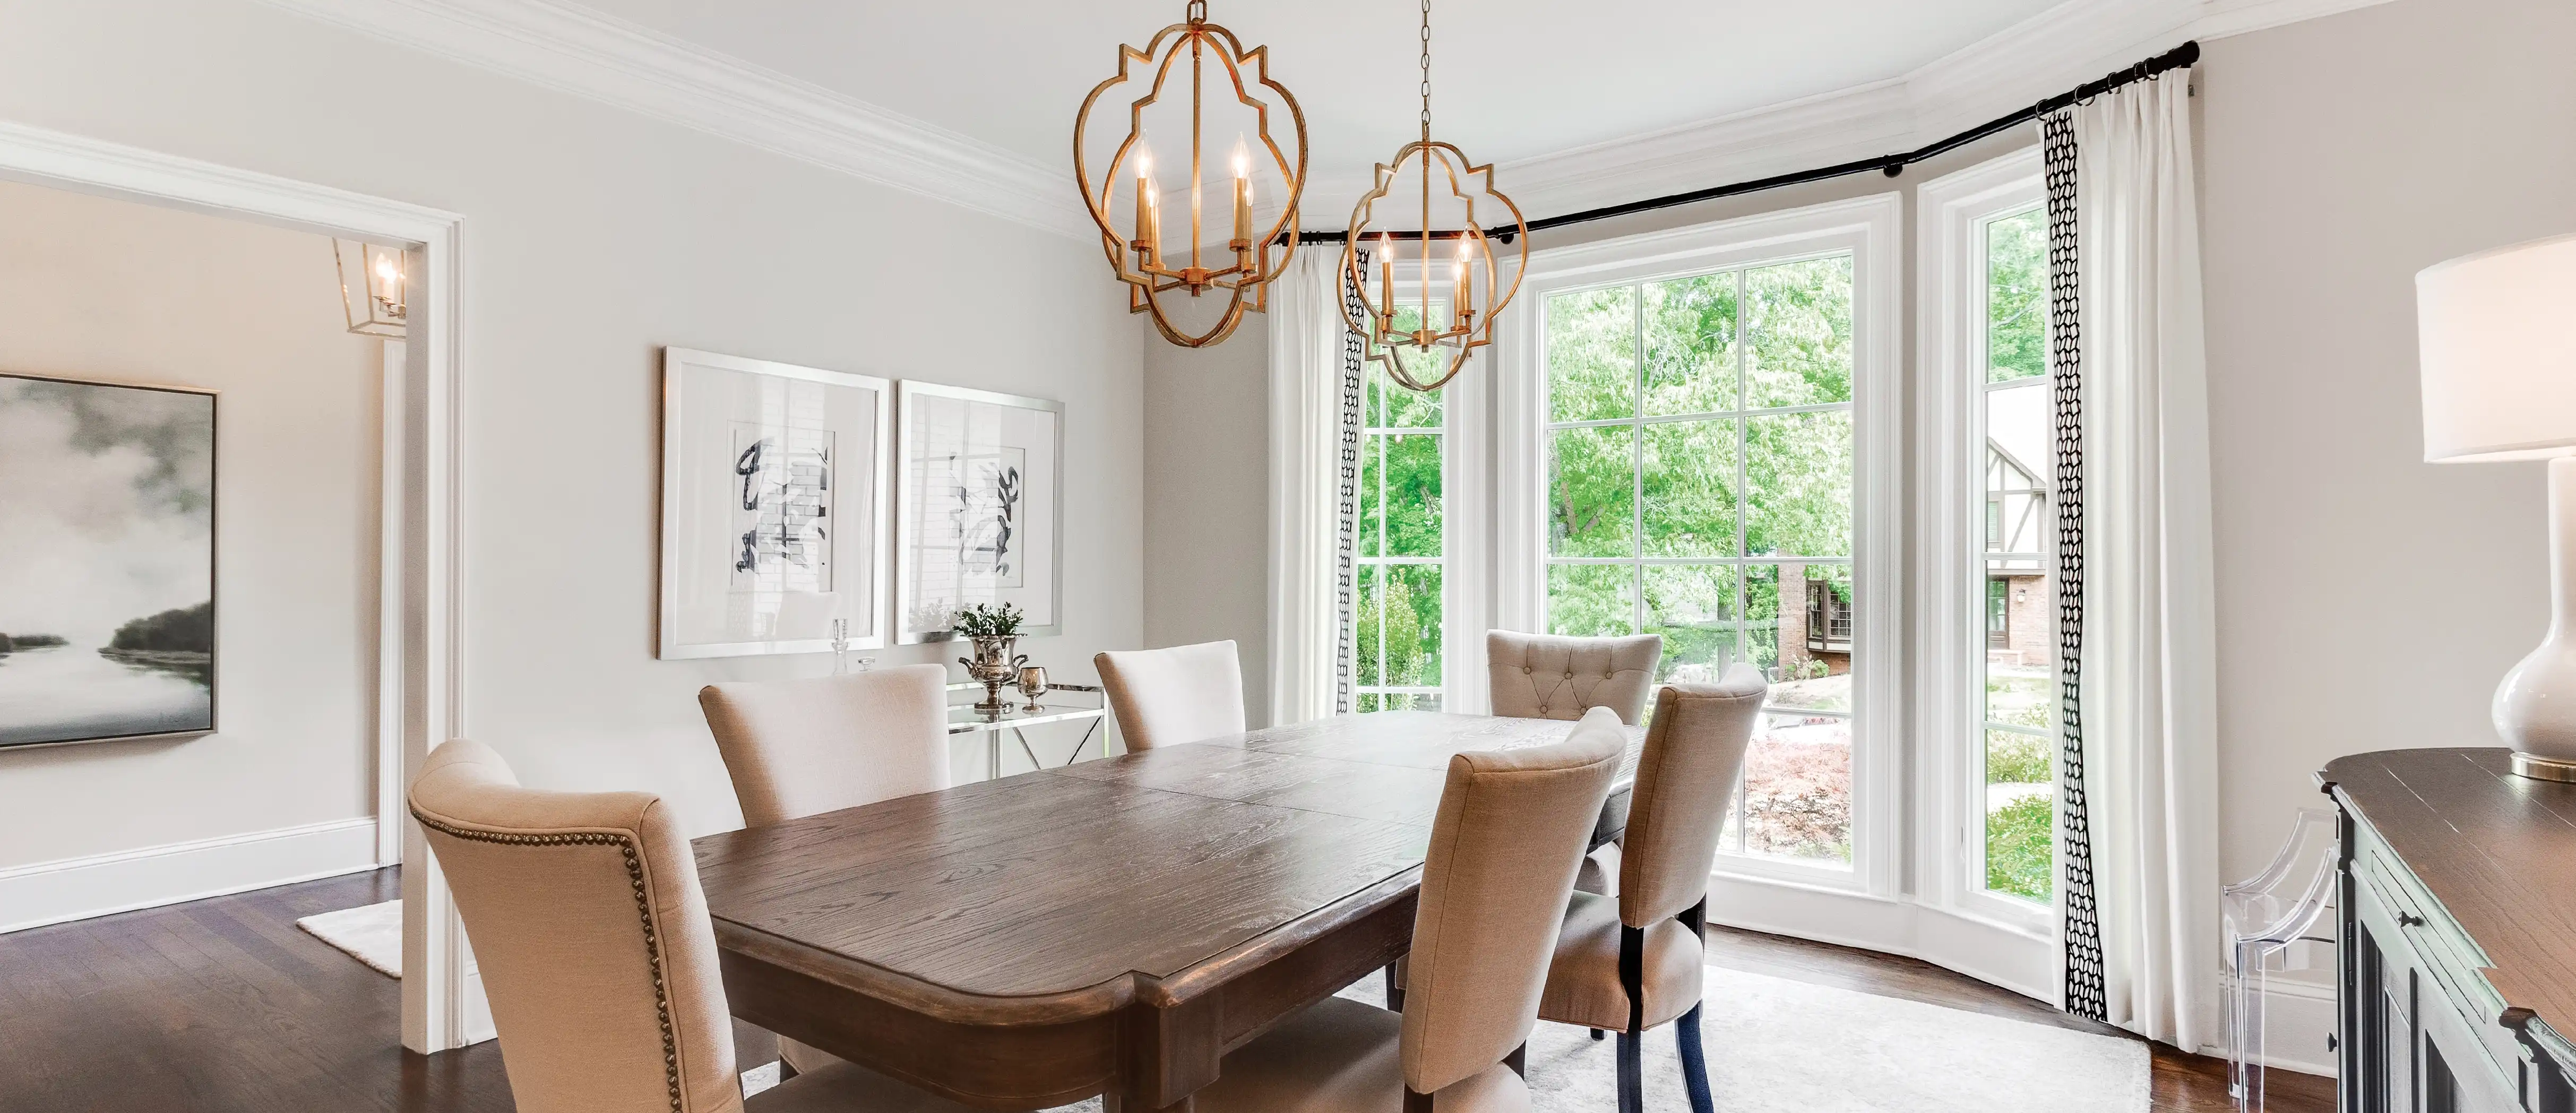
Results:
<point x="777" y="507"/>
<point x="993" y="536"/>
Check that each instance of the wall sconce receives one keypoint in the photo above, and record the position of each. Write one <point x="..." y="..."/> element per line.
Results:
<point x="373" y="287"/>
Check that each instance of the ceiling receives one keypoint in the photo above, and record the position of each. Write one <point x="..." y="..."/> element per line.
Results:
<point x="1511" y="78"/>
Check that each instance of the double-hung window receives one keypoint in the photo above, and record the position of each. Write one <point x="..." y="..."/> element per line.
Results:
<point x="1402" y="554"/>
<point x="1697" y="410"/>
<point x="1986" y="723"/>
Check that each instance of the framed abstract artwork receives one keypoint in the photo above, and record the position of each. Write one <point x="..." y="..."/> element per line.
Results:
<point x="979" y="508"/>
<point x="775" y="507"/>
<point x="107" y="561"/>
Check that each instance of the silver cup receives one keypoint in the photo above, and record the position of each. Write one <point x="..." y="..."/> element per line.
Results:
<point x="1033" y="683"/>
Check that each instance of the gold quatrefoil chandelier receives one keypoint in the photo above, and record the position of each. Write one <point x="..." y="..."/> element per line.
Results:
<point x="1478" y="284"/>
<point x="1255" y="253"/>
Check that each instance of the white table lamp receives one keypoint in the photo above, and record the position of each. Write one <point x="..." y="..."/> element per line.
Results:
<point x="2498" y="331"/>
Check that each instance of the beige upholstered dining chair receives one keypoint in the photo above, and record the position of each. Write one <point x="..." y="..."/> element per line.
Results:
<point x="1542" y="676"/>
<point x="1494" y="884"/>
<point x="597" y="954"/>
<point x="798" y="747"/>
<point x="1165" y="697"/>
<point x="1631" y="962"/>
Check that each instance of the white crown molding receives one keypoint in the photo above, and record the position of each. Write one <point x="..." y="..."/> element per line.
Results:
<point x="573" y="49"/>
<point x="2042" y="56"/>
<point x="589" y="54"/>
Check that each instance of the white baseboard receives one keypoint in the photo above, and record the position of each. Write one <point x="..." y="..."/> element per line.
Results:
<point x="79" y="888"/>
<point x="2297" y="1019"/>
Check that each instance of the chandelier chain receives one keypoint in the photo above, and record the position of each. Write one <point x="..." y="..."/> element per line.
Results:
<point x="1426" y="71"/>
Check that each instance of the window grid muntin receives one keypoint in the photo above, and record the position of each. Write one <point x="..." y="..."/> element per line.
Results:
<point x="1741" y="416"/>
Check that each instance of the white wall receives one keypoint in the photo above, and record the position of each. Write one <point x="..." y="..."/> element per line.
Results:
<point x="1207" y="505"/>
<point x="122" y="292"/>
<point x="592" y="238"/>
<point x="2366" y="600"/>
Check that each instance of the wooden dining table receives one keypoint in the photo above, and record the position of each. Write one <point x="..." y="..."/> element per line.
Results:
<point x="1112" y="927"/>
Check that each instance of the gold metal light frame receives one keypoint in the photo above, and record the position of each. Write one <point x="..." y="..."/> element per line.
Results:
<point x="1258" y="254"/>
<point x="1473" y="268"/>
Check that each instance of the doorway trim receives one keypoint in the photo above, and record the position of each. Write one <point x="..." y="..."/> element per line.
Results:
<point x="419" y="664"/>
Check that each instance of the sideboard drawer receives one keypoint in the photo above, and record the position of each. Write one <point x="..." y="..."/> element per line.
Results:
<point x="2457" y="1056"/>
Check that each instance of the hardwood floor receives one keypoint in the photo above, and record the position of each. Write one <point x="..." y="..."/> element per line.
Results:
<point x="224" y="1006"/>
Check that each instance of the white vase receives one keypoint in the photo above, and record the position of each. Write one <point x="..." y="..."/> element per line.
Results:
<point x="2535" y="707"/>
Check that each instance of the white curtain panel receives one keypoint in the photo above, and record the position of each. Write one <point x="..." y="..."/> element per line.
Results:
<point x="2149" y="671"/>
<point x="1306" y="332"/>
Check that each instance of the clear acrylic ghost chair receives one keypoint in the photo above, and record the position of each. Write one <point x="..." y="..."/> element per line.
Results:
<point x="2265" y="915"/>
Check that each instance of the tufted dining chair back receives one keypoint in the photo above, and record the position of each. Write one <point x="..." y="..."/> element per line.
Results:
<point x="1542" y="676"/>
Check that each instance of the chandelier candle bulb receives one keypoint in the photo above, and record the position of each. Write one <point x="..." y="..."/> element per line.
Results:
<point x="1242" y="213"/>
<point x="1386" y="278"/>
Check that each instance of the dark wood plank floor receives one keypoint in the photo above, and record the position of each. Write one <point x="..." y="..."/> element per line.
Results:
<point x="224" y="1006"/>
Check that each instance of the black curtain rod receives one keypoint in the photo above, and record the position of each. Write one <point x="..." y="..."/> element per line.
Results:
<point x="2180" y="57"/>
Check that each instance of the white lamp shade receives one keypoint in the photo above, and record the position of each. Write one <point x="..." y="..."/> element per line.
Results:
<point x="2498" y="335"/>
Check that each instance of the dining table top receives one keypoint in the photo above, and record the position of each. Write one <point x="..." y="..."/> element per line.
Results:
<point x="1050" y="893"/>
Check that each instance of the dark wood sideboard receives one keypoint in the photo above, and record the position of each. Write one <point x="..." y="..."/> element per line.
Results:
<point x="2456" y="932"/>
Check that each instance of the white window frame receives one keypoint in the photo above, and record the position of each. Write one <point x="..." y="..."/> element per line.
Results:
<point x="1869" y="228"/>
<point x="1950" y="469"/>
<point x="1466" y="463"/>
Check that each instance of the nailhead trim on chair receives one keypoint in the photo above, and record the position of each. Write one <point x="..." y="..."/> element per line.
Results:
<point x="643" y="912"/>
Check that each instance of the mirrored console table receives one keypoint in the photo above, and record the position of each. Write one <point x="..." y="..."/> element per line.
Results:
<point x="2456" y="934"/>
<point x="1087" y="705"/>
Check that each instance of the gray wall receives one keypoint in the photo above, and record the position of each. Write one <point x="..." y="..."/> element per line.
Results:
<point x="594" y="236"/>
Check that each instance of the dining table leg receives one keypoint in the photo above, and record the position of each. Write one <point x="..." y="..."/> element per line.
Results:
<point x="1169" y="1047"/>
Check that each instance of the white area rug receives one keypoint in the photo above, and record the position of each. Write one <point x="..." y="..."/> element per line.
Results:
<point x="1780" y="1045"/>
<point x="372" y="935"/>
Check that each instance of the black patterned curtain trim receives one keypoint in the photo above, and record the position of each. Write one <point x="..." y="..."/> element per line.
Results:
<point x="2085" y="994"/>
<point x="1346" y="516"/>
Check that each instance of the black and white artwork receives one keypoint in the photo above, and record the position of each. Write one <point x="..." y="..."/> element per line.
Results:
<point x="774" y="507"/>
<point x="980" y="499"/>
<point x="107" y="561"/>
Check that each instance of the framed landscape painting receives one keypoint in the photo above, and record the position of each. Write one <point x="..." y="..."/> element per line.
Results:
<point x="107" y="561"/>
<point x="979" y="509"/>
<point x="774" y="507"/>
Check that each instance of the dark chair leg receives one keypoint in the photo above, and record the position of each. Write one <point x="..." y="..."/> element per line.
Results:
<point x="1598" y="1035"/>
<point x="1686" y="1029"/>
<point x="1632" y="978"/>
<point x="1632" y="1079"/>
<point x="1394" y="992"/>
<point x="1694" y="1061"/>
<point x="1518" y="1060"/>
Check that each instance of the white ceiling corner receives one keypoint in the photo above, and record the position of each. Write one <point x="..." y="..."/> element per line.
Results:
<point x="576" y="50"/>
